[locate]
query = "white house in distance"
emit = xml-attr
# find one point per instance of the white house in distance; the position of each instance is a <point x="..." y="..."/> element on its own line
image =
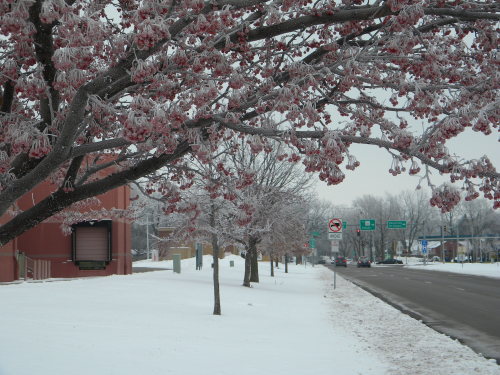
<point x="416" y="249"/>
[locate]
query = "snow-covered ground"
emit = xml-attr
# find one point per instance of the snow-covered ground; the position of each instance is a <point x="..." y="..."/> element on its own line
<point x="479" y="269"/>
<point x="161" y="323"/>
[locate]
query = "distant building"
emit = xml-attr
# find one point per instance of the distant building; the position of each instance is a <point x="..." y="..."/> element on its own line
<point x="168" y="245"/>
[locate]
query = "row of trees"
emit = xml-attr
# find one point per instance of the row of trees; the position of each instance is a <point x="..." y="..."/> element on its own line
<point x="468" y="218"/>
<point x="264" y="214"/>
<point x="282" y="214"/>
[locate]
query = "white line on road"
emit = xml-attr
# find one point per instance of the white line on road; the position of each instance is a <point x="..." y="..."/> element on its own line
<point x="463" y="290"/>
<point x="428" y="282"/>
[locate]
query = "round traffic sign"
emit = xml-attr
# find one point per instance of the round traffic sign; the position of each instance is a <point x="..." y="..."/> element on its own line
<point x="335" y="225"/>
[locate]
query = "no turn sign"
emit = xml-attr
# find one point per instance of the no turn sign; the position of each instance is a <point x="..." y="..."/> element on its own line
<point x="335" y="225"/>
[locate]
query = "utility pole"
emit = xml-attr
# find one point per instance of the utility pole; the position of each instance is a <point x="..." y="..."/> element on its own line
<point x="425" y="239"/>
<point x="371" y="247"/>
<point x="442" y="241"/>
<point x="147" y="236"/>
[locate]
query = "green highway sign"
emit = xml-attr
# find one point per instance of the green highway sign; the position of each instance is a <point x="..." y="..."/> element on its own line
<point x="367" y="224"/>
<point x="396" y="224"/>
<point x="312" y="243"/>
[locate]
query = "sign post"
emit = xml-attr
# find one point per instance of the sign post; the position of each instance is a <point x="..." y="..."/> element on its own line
<point x="424" y="249"/>
<point x="335" y="227"/>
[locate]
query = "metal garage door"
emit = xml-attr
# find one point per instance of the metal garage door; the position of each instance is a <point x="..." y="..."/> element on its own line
<point x="92" y="243"/>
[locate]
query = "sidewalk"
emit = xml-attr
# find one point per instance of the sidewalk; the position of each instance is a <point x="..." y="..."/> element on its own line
<point x="162" y="323"/>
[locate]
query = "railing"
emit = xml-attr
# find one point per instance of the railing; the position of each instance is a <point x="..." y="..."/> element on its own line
<point x="36" y="269"/>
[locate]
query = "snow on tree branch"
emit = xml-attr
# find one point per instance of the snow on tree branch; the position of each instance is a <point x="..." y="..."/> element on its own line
<point x="148" y="82"/>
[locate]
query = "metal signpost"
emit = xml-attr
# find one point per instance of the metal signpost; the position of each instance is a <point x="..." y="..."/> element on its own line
<point x="397" y="224"/>
<point x="424" y="249"/>
<point x="443" y="229"/>
<point x="368" y="224"/>
<point x="335" y="227"/>
<point x="312" y="245"/>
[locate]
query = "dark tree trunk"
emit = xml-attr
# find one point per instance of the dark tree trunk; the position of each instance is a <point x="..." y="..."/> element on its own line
<point x="271" y="263"/>
<point x="248" y="266"/>
<point x="286" y="263"/>
<point x="215" y="247"/>
<point x="276" y="262"/>
<point x="254" y="269"/>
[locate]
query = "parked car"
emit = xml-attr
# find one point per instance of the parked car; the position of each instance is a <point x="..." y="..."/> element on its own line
<point x="340" y="261"/>
<point x="321" y="261"/>
<point x="364" y="262"/>
<point x="390" y="261"/>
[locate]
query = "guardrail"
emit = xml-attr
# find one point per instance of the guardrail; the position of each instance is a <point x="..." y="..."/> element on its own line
<point x="36" y="269"/>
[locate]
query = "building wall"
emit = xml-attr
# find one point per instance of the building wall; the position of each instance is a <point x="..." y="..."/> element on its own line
<point x="121" y="233"/>
<point x="47" y="241"/>
<point x="8" y="264"/>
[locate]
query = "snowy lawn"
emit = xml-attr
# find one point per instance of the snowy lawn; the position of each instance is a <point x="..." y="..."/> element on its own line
<point x="161" y="323"/>
<point x="480" y="269"/>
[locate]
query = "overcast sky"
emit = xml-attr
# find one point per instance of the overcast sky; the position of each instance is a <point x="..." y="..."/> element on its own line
<point x="372" y="176"/>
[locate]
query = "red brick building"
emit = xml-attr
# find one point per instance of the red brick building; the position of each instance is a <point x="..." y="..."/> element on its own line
<point x="94" y="248"/>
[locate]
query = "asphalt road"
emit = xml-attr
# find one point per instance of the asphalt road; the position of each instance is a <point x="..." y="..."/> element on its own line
<point x="464" y="307"/>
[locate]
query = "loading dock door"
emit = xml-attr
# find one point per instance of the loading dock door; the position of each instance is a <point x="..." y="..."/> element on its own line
<point x="92" y="243"/>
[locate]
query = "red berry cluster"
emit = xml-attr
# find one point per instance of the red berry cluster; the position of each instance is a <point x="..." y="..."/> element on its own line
<point x="445" y="198"/>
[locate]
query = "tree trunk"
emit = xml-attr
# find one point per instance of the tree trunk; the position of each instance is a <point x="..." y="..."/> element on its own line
<point x="215" y="257"/>
<point x="254" y="269"/>
<point x="271" y="263"/>
<point x="215" y="247"/>
<point x="248" y="266"/>
<point x="286" y="263"/>
<point x="276" y="262"/>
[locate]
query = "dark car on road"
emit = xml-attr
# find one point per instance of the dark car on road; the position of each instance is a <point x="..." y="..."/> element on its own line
<point x="390" y="261"/>
<point x="364" y="262"/>
<point x="340" y="261"/>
